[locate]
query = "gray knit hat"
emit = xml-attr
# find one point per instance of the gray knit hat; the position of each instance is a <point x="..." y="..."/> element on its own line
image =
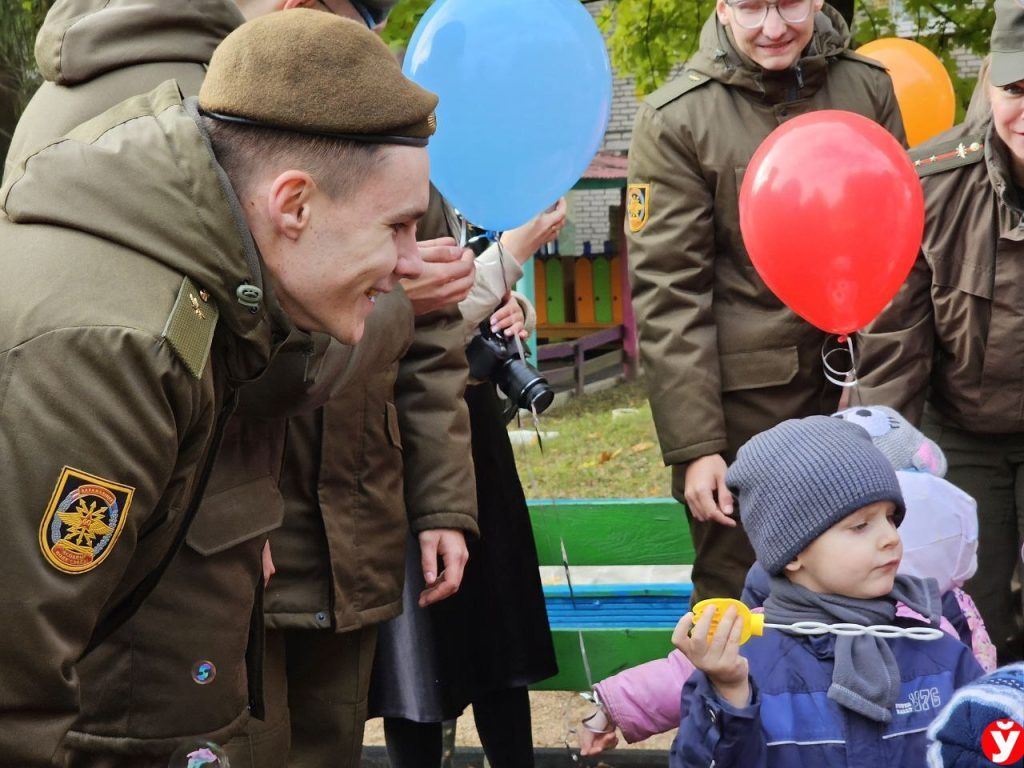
<point x="797" y="480"/>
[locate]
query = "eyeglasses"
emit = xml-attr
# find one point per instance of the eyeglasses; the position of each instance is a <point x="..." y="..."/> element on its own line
<point x="751" y="14"/>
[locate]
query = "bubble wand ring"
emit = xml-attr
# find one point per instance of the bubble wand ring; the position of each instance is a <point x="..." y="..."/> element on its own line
<point x="854" y="630"/>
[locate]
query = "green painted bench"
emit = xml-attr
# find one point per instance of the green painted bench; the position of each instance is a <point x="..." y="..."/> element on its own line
<point x="622" y="624"/>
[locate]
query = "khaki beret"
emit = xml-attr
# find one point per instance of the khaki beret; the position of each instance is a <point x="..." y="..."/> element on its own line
<point x="311" y="72"/>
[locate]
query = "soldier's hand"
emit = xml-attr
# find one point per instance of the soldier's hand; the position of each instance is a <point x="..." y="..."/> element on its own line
<point x="448" y="275"/>
<point x="448" y="545"/>
<point x="523" y="241"/>
<point x="706" y="494"/>
<point x="718" y="657"/>
<point x="268" y="564"/>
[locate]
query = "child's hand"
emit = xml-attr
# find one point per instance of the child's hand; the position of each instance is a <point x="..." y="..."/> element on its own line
<point x="719" y="658"/>
<point x="596" y="734"/>
<point x="595" y="743"/>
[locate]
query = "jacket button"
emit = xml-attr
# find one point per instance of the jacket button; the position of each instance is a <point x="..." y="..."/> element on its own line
<point x="321" y="617"/>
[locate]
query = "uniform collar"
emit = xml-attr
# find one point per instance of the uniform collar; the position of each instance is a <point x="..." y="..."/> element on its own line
<point x="997" y="160"/>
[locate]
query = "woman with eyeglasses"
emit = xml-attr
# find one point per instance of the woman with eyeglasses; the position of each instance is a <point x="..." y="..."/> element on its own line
<point x="725" y="359"/>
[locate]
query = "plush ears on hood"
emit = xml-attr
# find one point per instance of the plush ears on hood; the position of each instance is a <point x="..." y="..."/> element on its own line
<point x="902" y="443"/>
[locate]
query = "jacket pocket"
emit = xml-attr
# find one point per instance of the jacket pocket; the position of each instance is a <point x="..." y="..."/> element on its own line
<point x="758" y="369"/>
<point x="969" y="277"/>
<point x="391" y="416"/>
<point x="235" y="515"/>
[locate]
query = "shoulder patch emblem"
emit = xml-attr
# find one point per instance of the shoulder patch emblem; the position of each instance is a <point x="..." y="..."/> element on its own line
<point x="638" y="205"/>
<point x="83" y="520"/>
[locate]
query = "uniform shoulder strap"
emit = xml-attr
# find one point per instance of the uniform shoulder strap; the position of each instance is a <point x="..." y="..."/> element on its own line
<point x="190" y="327"/>
<point x="947" y="155"/>
<point x="854" y="56"/>
<point x="683" y="84"/>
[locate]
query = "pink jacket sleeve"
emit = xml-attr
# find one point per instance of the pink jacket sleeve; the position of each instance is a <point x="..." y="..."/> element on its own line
<point x="644" y="700"/>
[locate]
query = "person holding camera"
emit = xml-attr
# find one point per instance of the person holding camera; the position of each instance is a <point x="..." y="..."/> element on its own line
<point x="487" y="643"/>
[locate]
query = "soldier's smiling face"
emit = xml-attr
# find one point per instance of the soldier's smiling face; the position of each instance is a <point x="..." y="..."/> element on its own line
<point x="330" y="258"/>
<point x="776" y="43"/>
<point x="1008" y="121"/>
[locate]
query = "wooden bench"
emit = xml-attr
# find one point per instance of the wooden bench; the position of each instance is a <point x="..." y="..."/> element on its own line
<point x="622" y="624"/>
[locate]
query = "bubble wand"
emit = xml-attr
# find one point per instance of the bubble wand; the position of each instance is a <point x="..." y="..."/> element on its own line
<point x="754" y="624"/>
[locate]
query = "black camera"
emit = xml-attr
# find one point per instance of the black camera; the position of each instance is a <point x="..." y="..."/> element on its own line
<point x="492" y="356"/>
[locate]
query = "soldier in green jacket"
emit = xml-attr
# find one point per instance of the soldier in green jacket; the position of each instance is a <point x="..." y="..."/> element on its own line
<point x="101" y="60"/>
<point x="947" y="351"/>
<point x="144" y="240"/>
<point x="724" y="358"/>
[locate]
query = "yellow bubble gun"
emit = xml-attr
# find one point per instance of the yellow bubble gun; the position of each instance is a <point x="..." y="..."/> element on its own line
<point x="754" y="624"/>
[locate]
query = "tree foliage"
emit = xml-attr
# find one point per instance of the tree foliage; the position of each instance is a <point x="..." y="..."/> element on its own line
<point x="21" y="20"/>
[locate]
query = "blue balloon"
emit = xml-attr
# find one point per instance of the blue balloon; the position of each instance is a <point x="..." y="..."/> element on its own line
<point x="526" y="91"/>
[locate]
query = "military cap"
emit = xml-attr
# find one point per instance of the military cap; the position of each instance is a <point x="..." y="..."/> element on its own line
<point x="315" y="73"/>
<point x="1007" y="44"/>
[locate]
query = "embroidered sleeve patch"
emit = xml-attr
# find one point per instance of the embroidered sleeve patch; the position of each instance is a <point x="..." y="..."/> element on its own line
<point x="83" y="520"/>
<point x="638" y="205"/>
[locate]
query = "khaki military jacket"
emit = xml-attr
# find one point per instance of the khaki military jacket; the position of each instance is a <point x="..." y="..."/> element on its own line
<point x="138" y="693"/>
<point x="952" y="335"/>
<point x="340" y="554"/>
<point x="724" y="358"/>
<point x="122" y="335"/>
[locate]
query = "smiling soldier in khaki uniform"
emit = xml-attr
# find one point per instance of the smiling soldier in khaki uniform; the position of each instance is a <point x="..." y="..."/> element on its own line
<point x="93" y="54"/>
<point x="724" y="358"/>
<point x="112" y="403"/>
<point x="948" y="351"/>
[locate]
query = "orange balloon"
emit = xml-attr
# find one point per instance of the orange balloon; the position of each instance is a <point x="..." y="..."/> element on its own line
<point x="923" y="88"/>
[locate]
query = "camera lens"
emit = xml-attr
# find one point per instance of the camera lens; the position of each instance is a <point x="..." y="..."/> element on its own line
<point x="525" y="386"/>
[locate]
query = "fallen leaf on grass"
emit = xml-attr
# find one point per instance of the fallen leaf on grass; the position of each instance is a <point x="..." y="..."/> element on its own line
<point x="640" y="447"/>
<point x="607" y="456"/>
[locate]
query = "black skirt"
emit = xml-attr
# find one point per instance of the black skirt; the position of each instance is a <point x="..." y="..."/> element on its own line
<point x="493" y="634"/>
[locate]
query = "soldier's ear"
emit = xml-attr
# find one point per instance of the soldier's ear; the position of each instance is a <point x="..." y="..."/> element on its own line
<point x="723" y="13"/>
<point x="288" y="203"/>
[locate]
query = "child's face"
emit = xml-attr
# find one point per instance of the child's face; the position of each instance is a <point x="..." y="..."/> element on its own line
<point x="856" y="557"/>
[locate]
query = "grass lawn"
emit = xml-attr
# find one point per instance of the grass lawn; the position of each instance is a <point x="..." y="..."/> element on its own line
<point x="597" y="453"/>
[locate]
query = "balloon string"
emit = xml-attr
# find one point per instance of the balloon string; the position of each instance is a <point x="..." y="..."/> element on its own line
<point x="845" y="379"/>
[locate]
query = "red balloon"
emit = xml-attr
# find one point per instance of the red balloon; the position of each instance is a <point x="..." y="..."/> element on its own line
<point x="832" y="215"/>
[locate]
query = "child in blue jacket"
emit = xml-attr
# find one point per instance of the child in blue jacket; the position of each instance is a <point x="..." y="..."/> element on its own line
<point x="821" y="505"/>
